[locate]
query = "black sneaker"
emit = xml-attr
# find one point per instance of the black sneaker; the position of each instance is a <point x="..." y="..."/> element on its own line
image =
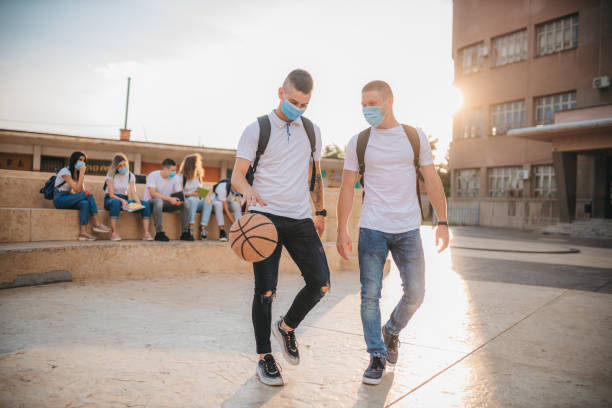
<point x="375" y="371"/>
<point x="392" y="342"/>
<point x="268" y="372"/>
<point x="203" y="234"/>
<point x="186" y="236"/>
<point x="222" y="236"/>
<point x="160" y="236"/>
<point x="288" y="343"/>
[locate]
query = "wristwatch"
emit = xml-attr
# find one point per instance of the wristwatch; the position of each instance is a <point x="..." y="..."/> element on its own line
<point x="322" y="212"/>
<point x="443" y="223"/>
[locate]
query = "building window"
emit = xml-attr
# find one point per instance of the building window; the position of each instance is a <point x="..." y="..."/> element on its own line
<point x="557" y="35"/>
<point x="510" y="48"/>
<point x="545" y="184"/>
<point x="468" y="183"/>
<point x="472" y="58"/>
<point x="506" y="182"/>
<point x="471" y="123"/>
<point x="546" y="106"/>
<point x="507" y="116"/>
<point x="53" y="164"/>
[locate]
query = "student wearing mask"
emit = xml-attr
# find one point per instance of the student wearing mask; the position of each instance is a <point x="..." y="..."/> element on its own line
<point x="192" y="174"/>
<point x="70" y="193"/>
<point x="120" y="186"/>
<point x="227" y="200"/>
<point x="162" y="193"/>
<point x="388" y="156"/>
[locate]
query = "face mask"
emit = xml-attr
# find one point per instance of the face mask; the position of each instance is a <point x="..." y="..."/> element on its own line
<point x="373" y="114"/>
<point x="172" y="174"/>
<point x="79" y="164"/>
<point x="291" y="111"/>
<point x="123" y="170"/>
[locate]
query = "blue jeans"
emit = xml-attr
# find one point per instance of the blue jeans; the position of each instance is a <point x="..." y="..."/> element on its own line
<point x="113" y="206"/>
<point x="197" y="205"/>
<point x="407" y="252"/>
<point x="86" y="205"/>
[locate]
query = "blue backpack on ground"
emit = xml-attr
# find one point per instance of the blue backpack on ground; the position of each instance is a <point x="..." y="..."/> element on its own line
<point x="49" y="188"/>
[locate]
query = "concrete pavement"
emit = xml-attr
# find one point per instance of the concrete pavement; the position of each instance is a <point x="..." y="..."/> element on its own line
<point x="496" y="329"/>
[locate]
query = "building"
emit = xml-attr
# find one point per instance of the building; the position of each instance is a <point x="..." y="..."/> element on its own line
<point x="46" y="152"/>
<point x="532" y="145"/>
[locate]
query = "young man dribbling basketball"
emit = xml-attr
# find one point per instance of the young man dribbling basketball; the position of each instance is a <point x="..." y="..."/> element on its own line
<point x="284" y="150"/>
<point x="387" y="155"/>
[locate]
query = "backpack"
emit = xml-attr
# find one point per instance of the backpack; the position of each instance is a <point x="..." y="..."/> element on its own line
<point x="415" y="142"/>
<point x="227" y="186"/>
<point x="129" y="177"/>
<point x="264" y="137"/>
<point x="49" y="188"/>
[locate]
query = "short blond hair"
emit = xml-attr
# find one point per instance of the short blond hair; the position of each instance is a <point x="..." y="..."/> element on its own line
<point x="380" y="86"/>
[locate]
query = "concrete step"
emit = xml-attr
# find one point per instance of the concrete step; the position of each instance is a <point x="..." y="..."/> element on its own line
<point x="30" y="263"/>
<point x="593" y="228"/>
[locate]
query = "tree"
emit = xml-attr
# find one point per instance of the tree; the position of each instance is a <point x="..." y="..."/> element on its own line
<point x="442" y="167"/>
<point x="333" y="151"/>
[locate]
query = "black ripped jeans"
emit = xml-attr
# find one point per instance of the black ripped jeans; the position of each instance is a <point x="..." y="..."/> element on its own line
<point x="302" y="242"/>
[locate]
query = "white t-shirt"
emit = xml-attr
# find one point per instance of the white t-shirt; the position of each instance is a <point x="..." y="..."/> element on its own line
<point x="190" y="185"/>
<point x="59" y="179"/>
<point x="164" y="186"/>
<point x="282" y="174"/>
<point x="390" y="203"/>
<point x="121" y="182"/>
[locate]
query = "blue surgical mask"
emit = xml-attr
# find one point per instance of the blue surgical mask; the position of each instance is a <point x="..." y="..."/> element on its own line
<point x="373" y="114"/>
<point x="172" y="174"/>
<point x="79" y="164"/>
<point x="291" y="111"/>
<point x="123" y="170"/>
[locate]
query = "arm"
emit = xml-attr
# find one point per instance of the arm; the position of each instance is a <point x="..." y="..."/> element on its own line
<point x="227" y="212"/>
<point x="111" y="192"/>
<point x="134" y="192"/>
<point x="249" y="195"/>
<point x="155" y="194"/>
<point x="435" y="191"/>
<point x="77" y="186"/>
<point x="317" y="196"/>
<point x="345" y="203"/>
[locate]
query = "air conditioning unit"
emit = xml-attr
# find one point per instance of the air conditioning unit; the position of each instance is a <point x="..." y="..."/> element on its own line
<point x="601" y="82"/>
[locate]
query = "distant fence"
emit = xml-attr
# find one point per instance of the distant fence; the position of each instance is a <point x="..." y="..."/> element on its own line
<point x="462" y="214"/>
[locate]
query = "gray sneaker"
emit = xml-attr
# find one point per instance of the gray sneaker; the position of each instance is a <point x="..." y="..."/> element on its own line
<point x="375" y="371"/>
<point x="268" y="372"/>
<point x="392" y="342"/>
<point x="287" y="341"/>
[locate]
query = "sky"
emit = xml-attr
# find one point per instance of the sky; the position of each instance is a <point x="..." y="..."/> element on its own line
<point x="203" y="70"/>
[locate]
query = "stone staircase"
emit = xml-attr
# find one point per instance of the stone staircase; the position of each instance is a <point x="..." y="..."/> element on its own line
<point x="37" y="239"/>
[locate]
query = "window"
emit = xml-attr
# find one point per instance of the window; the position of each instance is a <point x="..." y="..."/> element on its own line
<point x="557" y="35"/>
<point x="510" y="48"/>
<point x="545" y="184"/>
<point x="506" y="182"/>
<point x="53" y="164"/>
<point x="472" y="58"/>
<point x="471" y="124"/>
<point x="546" y="106"/>
<point x="468" y="183"/>
<point x="507" y="116"/>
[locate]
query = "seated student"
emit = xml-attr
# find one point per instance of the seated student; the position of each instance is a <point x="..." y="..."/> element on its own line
<point x="161" y="193"/>
<point x="70" y="193"/>
<point x="226" y="200"/>
<point x="120" y="186"/>
<point x="192" y="172"/>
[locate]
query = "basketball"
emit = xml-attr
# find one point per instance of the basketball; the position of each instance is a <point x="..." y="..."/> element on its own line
<point x="253" y="237"/>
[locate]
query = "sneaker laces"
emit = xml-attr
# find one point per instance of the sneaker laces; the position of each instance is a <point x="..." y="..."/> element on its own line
<point x="292" y="340"/>
<point x="394" y="343"/>
<point x="272" y="367"/>
<point x="377" y="362"/>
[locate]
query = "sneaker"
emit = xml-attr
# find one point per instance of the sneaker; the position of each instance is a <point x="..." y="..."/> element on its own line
<point x="115" y="238"/>
<point x="287" y="341"/>
<point x="160" y="236"/>
<point x="203" y="234"/>
<point x="101" y="229"/>
<point x="186" y="236"/>
<point x="222" y="236"/>
<point x="86" y="237"/>
<point x="268" y="371"/>
<point x="147" y="237"/>
<point x="392" y="342"/>
<point x="375" y="371"/>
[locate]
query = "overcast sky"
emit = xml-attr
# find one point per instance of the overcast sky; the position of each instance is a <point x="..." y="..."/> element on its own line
<point x="202" y="71"/>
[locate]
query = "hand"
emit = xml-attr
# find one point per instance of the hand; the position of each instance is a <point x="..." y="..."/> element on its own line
<point x="344" y="245"/>
<point x="82" y="169"/>
<point x="124" y="203"/>
<point x="251" y="198"/>
<point x="319" y="223"/>
<point x="175" y="201"/>
<point x="442" y="234"/>
<point x="87" y="193"/>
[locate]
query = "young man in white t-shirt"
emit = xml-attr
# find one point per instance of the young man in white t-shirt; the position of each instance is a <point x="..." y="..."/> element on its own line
<point x="226" y="201"/>
<point x="161" y="193"/>
<point x="280" y="191"/>
<point x="390" y="221"/>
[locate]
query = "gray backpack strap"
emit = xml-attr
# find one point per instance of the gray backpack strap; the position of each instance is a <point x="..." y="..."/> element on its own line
<point x="264" y="137"/>
<point x="415" y="142"/>
<point x="362" y="143"/>
<point x="309" y="128"/>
